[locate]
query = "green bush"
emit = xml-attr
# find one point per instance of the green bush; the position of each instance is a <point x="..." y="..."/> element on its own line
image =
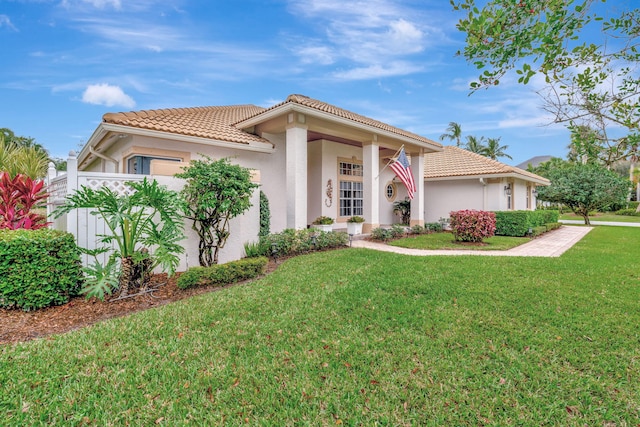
<point x="628" y="212"/>
<point x="380" y="233"/>
<point x="536" y="231"/>
<point x="265" y="215"/>
<point x="398" y="230"/>
<point x="433" y="227"/>
<point x="38" y="268"/>
<point x="518" y="223"/>
<point x="222" y="274"/>
<point x="293" y="242"/>
<point x="552" y="225"/>
<point x="633" y="204"/>
<point x="418" y="229"/>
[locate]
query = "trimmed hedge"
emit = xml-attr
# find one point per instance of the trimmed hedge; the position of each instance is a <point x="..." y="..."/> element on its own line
<point x="222" y="274"/>
<point x="518" y="223"/>
<point x="628" y="212"/>
<point x="294" y="242"/>
<point x="38" y="268"/>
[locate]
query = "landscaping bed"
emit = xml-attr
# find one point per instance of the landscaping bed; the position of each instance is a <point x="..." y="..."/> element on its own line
<point x="79" y="312"/>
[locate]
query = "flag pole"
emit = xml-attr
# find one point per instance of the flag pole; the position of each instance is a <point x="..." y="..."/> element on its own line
<point x="392" y="157"/>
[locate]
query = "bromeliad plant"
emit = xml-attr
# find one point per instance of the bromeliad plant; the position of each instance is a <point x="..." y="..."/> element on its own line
<point x="145" y="227"/>
<point x="18" y="197"/>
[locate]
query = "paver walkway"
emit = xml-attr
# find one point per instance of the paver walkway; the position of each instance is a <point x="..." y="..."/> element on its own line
<point x="551" y="244"/>
<point x="614" y="224"/>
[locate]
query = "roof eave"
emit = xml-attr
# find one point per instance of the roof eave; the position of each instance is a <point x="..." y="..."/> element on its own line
<point x="104" y="128"/>
<point x="293" y="107"/>
<point x="538" y="181"/>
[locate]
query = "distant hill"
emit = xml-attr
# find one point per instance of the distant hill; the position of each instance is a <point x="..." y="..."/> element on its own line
<point x="534" y="161"/>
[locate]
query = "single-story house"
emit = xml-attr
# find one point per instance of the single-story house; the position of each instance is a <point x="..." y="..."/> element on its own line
<point x="310" y="158"/>
<point x="458" y="179"/>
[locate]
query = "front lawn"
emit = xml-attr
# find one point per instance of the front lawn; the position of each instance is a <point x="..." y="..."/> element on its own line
<point x="358" y="337"/>
<point x="446" y="241"/>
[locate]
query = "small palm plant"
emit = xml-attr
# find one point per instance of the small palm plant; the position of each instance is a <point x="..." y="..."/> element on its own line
<point x="149" y="219"/>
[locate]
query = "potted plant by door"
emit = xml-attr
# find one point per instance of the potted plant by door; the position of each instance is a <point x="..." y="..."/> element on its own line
<point x="323" y="223"/>
<point x="354" y="225"/>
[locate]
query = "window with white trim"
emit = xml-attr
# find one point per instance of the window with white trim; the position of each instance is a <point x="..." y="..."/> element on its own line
<point x="350" y="169"/>
<point x="351" y="198"/>
<point x="390" y="191"/>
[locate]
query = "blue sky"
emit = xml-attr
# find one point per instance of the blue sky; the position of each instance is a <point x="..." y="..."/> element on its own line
<point x="67" y="62"/>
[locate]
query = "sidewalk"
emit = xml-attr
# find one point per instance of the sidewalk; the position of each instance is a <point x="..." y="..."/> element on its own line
<point x="551" y="244"/>
<point x="615" y="224"/>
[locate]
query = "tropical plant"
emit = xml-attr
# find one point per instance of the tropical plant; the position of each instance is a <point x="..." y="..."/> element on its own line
<point x="585" y="188"/>
<point x="472" y="225"/>
<point x="216" y="191"/>
<point x="494" y="150"/>
<point x="24" y="160"/>
<point x="455" y="133"/>
<point x="145" y="228"/>
<point x="475" y="145"/>
<point x="356" y="219"/>
<point x="323" y="220"/>
<point x="403" y="208"/>
<point x="18" y="198"/>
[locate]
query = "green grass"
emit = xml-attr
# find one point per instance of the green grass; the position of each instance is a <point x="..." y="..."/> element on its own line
<point x="602" y="217"/>
<point x="358" y="337"/>
<point x="446" y="241"/>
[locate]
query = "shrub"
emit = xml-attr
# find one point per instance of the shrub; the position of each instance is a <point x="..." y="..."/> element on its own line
<point x="552" y="226"/>
<point x="356" y="219"/>
<point x="398" y="230"/>
<point x="627" y="212"/>
<point x="418" y="229"/>
<point x="18" y="197"/>
<point x="472" y="225"/>
<point x="634" y="204"/>
<point x="256" y="249"/>
<point x="222" y="274"/>
<point x="265" y="215"/>
<point x="38" y="268"/>
<point x="434" y="227"/>
<point x="381" y="234"/>
<point x="294" y="242"/>
<point x="518" y="223"/>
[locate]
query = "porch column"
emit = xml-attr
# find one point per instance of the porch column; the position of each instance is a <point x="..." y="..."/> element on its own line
<point x="371" y="185"/>
<point x="296" y="172"/>
<point x="417" y="204"/>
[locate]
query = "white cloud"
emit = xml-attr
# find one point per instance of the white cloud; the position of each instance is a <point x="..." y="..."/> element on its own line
<point x="316" y="55"/>
<point x="6" y="22"/>
<point x="101" y="4"/>
<point x="399" y="68"/>
<point x="107" y="95"/>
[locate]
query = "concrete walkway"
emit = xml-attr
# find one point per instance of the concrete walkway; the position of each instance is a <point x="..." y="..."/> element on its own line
<point x="551" y="244"/>
<point x="615" y="224"/>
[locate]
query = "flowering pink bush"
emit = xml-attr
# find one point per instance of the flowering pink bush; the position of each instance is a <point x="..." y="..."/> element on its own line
<point x="18" y="196"/>
<point x="472" y="225"/>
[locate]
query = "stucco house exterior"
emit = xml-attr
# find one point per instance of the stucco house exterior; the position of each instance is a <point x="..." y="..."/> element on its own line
<point x="310" y="158"/>
<point x="458" y="179"/>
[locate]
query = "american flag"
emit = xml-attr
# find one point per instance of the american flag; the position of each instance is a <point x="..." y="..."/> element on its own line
<point x="401" y="167"/>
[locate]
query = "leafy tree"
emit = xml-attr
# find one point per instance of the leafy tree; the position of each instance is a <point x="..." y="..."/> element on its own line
<point x="215" y="192"/>
<point x="147" y="220"/>
<point x="584" y="188"/>
<point x="494" y="150"/>
<point x="475" y="145"/>
<point x="455" y="133"/>
<point x="588" y="84"/>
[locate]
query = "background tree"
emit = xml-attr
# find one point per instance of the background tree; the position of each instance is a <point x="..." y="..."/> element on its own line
<point x="494" y="150"/>
<point x="584" y="187"/>
<point x="475" y="145"/>
<point x="215" y="192"/>
<point x="592" y="85"/>
<point x="455" y="133"/>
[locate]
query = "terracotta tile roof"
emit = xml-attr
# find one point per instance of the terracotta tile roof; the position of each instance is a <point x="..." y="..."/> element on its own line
<point x="205" y="122"/>
<point x="456" y="162"/>
<point x="345" y="114"/>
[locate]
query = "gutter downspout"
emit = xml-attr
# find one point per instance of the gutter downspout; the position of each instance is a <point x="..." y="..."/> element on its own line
<point x="484" y="193"/>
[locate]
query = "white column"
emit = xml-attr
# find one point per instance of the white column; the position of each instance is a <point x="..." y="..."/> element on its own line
<point x="371" y="185"/>
<point x="417" y="204"/>
<point x="296" y="172"/>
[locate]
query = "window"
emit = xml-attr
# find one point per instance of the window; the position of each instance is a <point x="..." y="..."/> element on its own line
<point x="350" y="169"/>
<point x="528" y="197"/>
<point x="351" y="198"/>
<point x="390" y="191"/>
<point x="141" y="165"/>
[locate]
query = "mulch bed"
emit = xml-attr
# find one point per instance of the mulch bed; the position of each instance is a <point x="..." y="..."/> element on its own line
<point x="19" y="326"/>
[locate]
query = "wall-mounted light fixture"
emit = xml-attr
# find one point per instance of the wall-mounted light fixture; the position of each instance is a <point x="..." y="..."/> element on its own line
<point x="534" y="191"/>
<point x="507" y="190"/>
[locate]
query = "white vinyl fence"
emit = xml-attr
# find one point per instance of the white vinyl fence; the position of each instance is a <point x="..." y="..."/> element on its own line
<point x="86" y="227"/>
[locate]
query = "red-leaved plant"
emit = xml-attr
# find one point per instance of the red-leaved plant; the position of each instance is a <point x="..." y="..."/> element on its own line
<point x="472" y="225"/>
<point x="18" y="197"/>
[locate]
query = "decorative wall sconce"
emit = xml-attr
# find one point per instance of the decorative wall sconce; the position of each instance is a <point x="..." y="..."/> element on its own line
<point x="329" y="192"/>
<point x="507" y="190"/>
